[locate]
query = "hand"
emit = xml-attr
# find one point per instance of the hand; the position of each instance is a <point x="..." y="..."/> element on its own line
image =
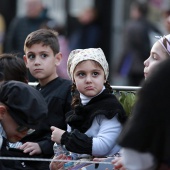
<point x="56" y="134"/>
<point x="55" y="165"/>
<point x="118" y="165"/>
<point x="31" y="148"/>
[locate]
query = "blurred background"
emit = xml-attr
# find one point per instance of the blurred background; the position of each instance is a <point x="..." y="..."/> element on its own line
<point x="124" y="29"/>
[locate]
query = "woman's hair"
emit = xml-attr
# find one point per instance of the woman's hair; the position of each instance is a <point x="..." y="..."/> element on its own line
<point x="12" y="68"/>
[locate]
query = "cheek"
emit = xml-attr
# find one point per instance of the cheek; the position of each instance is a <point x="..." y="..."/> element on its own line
<point x="153" y="66"/>
<point x="78" y="85"/>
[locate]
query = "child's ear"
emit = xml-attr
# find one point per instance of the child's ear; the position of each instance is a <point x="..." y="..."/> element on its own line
<point x="25" y="60"/>
<point x="3" y="110"/>
<point x="58" y="58"/>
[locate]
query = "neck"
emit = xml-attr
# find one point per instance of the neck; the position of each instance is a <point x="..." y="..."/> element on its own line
<point x="86" y="99"/>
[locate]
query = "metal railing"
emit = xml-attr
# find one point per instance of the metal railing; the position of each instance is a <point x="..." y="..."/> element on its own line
<point x="119" y="88"/>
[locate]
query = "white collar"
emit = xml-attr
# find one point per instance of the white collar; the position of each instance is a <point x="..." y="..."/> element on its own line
<point x="86" y="99"/>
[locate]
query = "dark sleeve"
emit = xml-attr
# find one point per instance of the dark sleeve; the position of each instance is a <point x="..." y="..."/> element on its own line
<point x="46" y="146"/>
<point x="4" y="168"/>
<point x="77" y="142"/>
<point x="57" y="111"/>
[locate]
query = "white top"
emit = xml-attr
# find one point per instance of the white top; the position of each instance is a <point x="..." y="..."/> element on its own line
<point x="105" y="132"/>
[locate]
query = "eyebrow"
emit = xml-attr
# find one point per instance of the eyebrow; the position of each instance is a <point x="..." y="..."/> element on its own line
<point x="38" y="52"/>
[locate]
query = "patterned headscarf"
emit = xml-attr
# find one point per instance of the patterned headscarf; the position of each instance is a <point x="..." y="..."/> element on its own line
<point x="165" y="42"/>
<point x="79" y="55"/>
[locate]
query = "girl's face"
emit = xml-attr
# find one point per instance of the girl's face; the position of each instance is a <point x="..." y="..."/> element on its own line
<point x="89" y="78"/>
<point x="157" y="55"/>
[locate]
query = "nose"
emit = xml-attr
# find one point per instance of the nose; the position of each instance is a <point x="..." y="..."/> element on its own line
<point x="88" y="79"/>
<point x="37" y="61"/>
<point x="146" y="63"/>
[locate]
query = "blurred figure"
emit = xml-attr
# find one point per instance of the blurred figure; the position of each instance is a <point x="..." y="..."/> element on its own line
<point x="2" y="32"/>
<point x="20" y="27"/>
<point x="166" y="16"/>
<point x="88" y="33"/>
<point x="138" y="35"/>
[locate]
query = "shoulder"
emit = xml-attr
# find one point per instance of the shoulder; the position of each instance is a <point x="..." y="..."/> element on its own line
<point x="65" y="81"/>
<point x="107" y="122"/>
<point x="61" y="87"/>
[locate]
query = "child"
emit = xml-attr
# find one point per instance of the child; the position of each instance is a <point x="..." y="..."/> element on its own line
<point x="12" y="68"/>
<point x="21" y="109"/>
<point x="42" y="56"/>
<point x="146" y="136"/>
<point x="159" y="52"/>
<point x="97" y="116"/>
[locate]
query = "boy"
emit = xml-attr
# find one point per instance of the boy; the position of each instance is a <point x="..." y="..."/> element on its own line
<point x="42" y="56"/>
<point x="21" y="109"/>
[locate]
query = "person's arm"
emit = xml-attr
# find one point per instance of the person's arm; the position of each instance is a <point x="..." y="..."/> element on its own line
<point x="98" y="144"/>
<point x="105" y="140"/>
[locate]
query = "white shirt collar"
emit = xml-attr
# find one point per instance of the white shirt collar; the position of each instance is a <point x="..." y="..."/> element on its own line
<point x="85" y="99"/>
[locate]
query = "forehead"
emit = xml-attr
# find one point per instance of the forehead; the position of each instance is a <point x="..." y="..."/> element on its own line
<point x="38" y="47"/>
<point x="157" y="48"/>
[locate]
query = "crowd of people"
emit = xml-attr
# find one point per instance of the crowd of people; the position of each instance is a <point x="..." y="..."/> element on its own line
<point x="80" y="112"/>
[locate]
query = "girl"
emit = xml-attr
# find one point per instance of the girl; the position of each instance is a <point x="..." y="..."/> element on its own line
<point x="144" y="160"/>
<point x="97" y="116"/>
<point x="159" y="52"/>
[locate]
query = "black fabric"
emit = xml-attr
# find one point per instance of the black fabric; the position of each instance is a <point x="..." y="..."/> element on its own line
<point x="25" y="104"/>
<point x="57" y="94"/>
<point x="148" y="130"/>
<point x="80" y="120"/>
<point x="105" y="104"/>
<point x="6" y="151"/>
<point x="77" y="142"/>
<point x="4" y="164"/>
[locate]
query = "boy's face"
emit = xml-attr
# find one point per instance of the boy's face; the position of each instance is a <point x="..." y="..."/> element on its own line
<point x="42" y="62"/>
<point x="13" y="132"/>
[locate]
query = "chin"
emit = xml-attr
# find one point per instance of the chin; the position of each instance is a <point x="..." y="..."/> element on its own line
<point x="90" y="94"/>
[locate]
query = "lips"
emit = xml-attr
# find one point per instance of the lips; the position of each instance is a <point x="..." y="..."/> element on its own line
<point x="89" y="88"/>
<point x="37" y="70"/>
